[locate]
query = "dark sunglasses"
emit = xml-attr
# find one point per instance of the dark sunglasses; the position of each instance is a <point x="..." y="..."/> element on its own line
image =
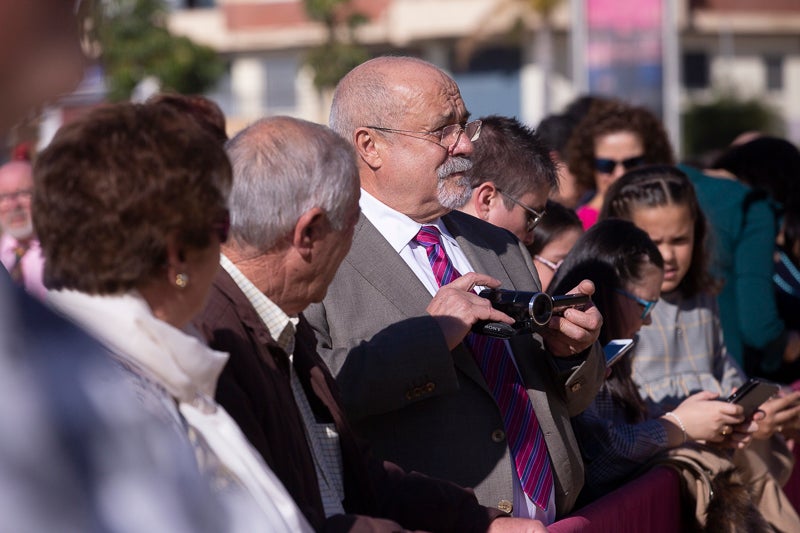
<point x="647" y="305"/>
<point x="607" y="166"/>
<point x="222" y="226"/>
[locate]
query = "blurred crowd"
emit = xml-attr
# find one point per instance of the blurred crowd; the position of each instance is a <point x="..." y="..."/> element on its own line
<point x="315" y="328"/>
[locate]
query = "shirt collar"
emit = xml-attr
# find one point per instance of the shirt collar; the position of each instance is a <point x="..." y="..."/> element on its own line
<point x="281" y="326"/>
<point x="397" y="228"/>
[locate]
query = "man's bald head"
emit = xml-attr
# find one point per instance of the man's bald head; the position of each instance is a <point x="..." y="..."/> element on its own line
<point x="368" y="95"/>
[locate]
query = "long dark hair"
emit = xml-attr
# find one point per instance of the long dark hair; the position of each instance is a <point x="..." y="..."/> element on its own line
<point x="659" y="186"/>
<point x="771" y="164"/>
<point x="559" y="219"/>
<point x="612" y="254"/>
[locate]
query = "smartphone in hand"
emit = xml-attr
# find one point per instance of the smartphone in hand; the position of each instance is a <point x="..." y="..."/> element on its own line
<point x="752" y="394"/>
<point x="615" y="349"/>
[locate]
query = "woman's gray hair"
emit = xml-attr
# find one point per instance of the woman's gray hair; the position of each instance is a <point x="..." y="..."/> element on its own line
<point x="282" y="167"/>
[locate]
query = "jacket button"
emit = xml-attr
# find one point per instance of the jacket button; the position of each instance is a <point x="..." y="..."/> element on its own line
<point x="576" y="387"/>
<point x="505" y="506"/>
<point x="498" y="435"/>
<point x="413" y="394"/>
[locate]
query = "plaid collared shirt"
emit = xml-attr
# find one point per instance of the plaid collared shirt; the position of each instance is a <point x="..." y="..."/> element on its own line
<point x="322" y="438"/>
<point x="683" y="352"/>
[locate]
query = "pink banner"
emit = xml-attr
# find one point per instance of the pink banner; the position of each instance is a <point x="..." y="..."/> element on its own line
<point x="624" y="50"/>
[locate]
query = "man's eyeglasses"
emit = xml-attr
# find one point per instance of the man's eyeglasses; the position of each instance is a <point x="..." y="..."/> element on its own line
<point x="22" y="194"/>
<point x="222" y="226"/>
<point x="648" y="305"/>
<point x="532" y="216"/>
<point x="446" y="137"/>
<point x="549" y="264"/>
<point x="607" y="166"/>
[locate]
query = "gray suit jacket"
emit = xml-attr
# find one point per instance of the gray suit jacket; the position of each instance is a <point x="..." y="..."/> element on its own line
<point x="425" y="407"/>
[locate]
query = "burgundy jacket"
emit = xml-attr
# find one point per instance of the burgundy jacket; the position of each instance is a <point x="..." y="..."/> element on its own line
<point x="255" y="390"/>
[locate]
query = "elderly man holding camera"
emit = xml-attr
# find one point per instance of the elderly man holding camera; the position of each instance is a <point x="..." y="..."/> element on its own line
<point x="395" y="325"/>
<point x="294" y="205"/>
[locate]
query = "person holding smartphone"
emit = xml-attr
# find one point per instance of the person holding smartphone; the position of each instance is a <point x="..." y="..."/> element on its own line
<point x="683" y="350"/>
<point x="615" y="433"/>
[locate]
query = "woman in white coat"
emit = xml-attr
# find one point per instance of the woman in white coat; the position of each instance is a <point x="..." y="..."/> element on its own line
<point x="130" y="208"/>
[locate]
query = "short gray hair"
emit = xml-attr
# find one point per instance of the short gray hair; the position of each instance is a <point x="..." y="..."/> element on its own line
<point x="282" y="167"/>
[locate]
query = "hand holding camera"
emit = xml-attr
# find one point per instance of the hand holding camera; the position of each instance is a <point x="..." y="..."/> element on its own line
<point x="456" y="307"/>
<point x="531" y="311"/>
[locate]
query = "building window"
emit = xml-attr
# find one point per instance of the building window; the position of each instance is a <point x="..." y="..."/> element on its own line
<point x="695" y="70"/>
<point x="774" y="68"/>
<point x="281" y="76"/>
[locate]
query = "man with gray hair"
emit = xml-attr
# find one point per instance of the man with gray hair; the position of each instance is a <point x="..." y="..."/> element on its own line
<point x="396" y="324"/>
<point x="294" y="205"/>
<point x="511" y="177"/>
<point x="20" y="252"/>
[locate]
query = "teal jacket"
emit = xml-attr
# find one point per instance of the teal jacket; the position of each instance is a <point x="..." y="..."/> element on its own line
<point x="743" y="228"/>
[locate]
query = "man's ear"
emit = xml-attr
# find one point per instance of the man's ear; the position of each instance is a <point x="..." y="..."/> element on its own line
<point x="366" y="149"/>
<point x="484" y="197"/>
<point x="309" y="229"/>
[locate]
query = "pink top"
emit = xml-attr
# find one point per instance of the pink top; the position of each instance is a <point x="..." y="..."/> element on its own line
<point x="32" y="264"/>
<point x="588" y="215"/>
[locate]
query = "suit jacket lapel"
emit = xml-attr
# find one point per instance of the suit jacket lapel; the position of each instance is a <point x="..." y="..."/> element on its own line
<point x="374" y="258"/>
<point x="479" y="252"/>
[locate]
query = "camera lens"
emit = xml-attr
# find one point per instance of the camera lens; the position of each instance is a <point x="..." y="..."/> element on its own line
<point x="540" y="308"/>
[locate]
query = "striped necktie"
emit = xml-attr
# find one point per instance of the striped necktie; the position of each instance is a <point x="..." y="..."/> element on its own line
<point x="525" y="438"/>
<point x="16" y="273"/>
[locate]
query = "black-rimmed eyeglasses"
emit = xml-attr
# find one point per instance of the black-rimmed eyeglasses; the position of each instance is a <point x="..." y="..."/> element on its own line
<point x="446" y="137"/>
<point x="532" y="215"/>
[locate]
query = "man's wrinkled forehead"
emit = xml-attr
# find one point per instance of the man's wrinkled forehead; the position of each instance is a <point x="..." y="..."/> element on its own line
<point x="17" y="174"/>
<point x="437" y="90"/>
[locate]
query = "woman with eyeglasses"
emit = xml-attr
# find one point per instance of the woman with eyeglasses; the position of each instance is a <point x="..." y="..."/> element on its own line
<point x="553" y="238"/>
<point x="612" y="139"/>
<point x="616" y="433"/>
<point x="130" y="205"/>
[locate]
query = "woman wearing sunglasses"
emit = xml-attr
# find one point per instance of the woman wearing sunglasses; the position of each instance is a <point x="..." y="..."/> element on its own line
<point x="613" y="139"/>
<point x="616" y="433"/>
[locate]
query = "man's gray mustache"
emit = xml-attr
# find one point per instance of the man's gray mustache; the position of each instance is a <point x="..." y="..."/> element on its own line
<point x="453" y="165"/>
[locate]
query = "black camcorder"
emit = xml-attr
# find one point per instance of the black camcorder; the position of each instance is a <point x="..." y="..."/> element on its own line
<point x="530" y="310"/>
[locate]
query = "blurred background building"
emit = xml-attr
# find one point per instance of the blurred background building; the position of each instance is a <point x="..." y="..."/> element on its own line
<point x="685" y="59"/>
